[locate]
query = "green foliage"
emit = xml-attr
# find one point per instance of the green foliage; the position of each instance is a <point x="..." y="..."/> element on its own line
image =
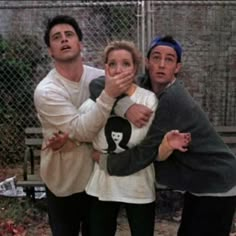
<point x="19" y="58"/>
<point x="17" y="64"/>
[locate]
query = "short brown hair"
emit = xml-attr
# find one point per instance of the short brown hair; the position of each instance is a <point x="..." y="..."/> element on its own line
<point x="61" y="19"/>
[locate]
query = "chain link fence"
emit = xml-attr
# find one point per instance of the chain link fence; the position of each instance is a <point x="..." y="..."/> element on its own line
<point x="24" y="59"/>
<point x="206" y="30"/>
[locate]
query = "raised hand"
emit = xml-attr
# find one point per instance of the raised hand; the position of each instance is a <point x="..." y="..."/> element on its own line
<point x="178" y="141"/>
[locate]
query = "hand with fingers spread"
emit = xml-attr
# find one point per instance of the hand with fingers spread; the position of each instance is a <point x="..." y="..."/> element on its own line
<point x="139" y="115"/>
<point x="178" y="141"/>
<point x="119" y="83"/>
<point x="58" y="140"/>
<point x="173" y="140"/>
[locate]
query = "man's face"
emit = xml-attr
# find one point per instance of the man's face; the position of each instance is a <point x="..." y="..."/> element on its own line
<point x="64" y="43"/>
<point x="162" y="65"/>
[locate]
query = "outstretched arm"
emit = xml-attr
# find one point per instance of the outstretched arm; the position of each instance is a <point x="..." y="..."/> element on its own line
<point x="142" y="155"/>
<point x="138" y="157"/>
<point x="173" y="140"/>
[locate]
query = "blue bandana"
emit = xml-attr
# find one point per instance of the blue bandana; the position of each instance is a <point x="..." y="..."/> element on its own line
<point x="158" y="41"/>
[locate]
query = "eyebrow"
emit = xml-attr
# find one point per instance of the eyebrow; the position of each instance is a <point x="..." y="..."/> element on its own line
<point x="59" y="32"/>
<point x="55" y="34"/>
<point x="169" y="54"/>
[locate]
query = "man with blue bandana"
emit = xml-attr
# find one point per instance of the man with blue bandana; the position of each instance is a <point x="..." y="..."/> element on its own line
<point x="206" y="172"/>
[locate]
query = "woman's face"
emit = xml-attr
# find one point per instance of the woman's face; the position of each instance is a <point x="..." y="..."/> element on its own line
<point x="118" y="61"/>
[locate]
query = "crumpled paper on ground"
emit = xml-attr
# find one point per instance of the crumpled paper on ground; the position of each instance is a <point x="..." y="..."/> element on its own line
<point x="8" y="188"/>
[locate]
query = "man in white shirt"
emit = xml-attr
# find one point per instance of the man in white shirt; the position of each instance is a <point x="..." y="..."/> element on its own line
<point x="57" y="99"/>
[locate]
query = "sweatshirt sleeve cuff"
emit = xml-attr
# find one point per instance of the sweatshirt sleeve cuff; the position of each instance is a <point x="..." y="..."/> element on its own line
<point x="123" y="105"/>
<point x="106" y="99"/>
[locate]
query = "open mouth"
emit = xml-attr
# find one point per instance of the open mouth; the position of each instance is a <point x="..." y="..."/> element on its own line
<point x="65" y="48"/>
<point x="160" y="74"/>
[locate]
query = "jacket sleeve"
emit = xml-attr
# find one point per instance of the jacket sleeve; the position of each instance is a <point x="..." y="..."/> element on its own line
<point x="165" y="150"/>
<point x="142" y="155"/>
<point x="96" y="87"/>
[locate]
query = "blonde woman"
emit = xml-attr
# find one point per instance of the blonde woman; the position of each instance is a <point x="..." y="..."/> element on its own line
<point x="135" y="192"/>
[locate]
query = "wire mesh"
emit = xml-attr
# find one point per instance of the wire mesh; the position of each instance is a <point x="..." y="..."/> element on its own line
<point x="24" y="58"/>
<point x="206" y="30"/>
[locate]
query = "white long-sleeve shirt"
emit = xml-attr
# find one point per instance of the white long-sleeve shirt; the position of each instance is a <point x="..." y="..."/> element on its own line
<point x="57" y="101"/>
<point x="117" y="135"/>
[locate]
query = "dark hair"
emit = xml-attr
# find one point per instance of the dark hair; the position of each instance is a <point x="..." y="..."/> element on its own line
<point x="167" y="40"/>
<point x="61" y="19"/>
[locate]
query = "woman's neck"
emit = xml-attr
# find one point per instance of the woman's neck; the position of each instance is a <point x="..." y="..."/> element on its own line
<point x="131" y="89"/>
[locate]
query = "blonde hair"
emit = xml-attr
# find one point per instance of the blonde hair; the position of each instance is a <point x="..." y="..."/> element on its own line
<point x="125" y="45"/>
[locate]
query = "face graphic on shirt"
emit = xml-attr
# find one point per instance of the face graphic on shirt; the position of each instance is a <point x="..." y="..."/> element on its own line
<point x="117" y="132"/>
<point x="117" y="137"/>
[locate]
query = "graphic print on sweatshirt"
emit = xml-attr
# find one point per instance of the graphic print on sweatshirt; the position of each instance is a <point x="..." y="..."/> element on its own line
<point x="117" y="132"/>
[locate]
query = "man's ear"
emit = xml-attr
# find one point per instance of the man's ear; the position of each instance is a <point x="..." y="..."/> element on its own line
<point x="178" y="67"/>
<point x="50" y="52"/>
<point x="81" y="45"/>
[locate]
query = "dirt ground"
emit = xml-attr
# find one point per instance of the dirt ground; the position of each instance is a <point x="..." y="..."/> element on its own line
<point x="38" y="226"/>
<point x="162" y="227"/>
<point x="167" y="221"/>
